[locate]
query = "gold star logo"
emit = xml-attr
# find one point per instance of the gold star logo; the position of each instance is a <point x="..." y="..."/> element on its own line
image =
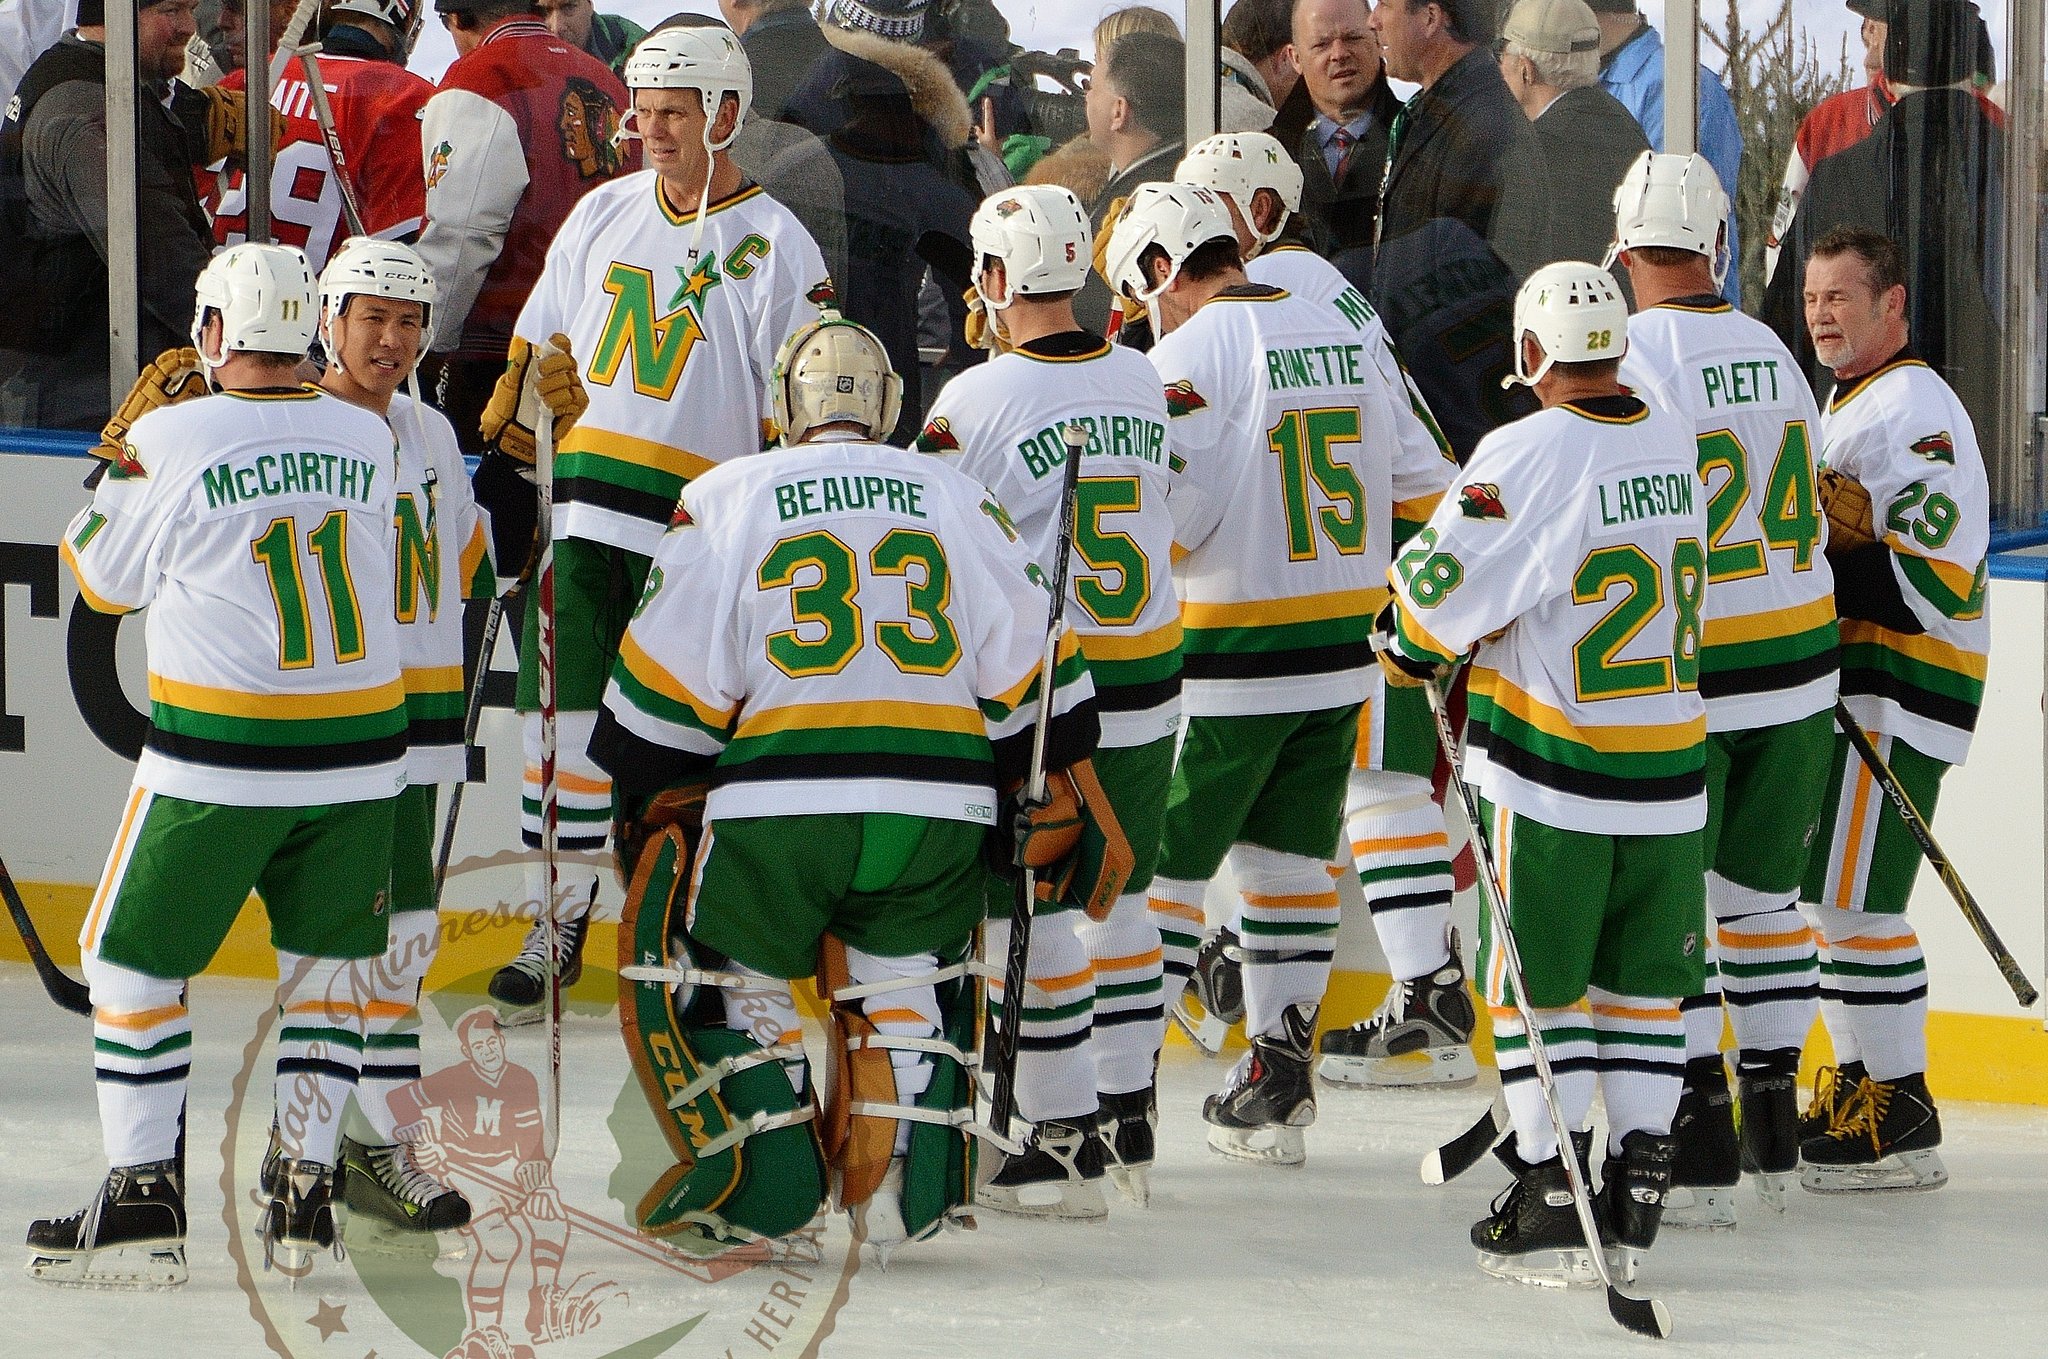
<point x="696" y="284"/>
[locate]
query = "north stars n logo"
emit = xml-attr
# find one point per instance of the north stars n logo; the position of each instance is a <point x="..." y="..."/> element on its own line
<point x="1936" y="448"/>
<point x="1481" y="500"/>
<point x="938" y="437"/>
<point x="1183" y="399"/>
<point x="587" y="122"/>
<point x="657" y="347"/>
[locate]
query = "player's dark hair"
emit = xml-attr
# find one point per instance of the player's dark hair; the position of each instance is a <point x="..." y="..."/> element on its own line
<point x="1883" y="262"/>
<point x="1590" y="369"/>
<point x="1256" y="29"/>
<point x="1149" y="70"/>
<point x="1212" y="258"/>
<point x="1665" y="256"/>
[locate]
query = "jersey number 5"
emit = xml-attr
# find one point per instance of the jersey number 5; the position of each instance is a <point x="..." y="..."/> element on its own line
<point x="1596" y="674"/>
<point x="828" y="608"/>
<point x="1109" y="551"/>
<point x="276" y="551"/>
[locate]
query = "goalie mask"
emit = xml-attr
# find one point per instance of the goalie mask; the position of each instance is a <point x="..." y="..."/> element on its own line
<point x="1238" y="165"/>
<point x="1575" y="312"/>
<point x="367" y="267"/>
<point x="829" y="371"/>
<point x="1039" y="233"/>
<point x="1674" y="201"/>
<point x="264" y="296"/>
<point x="1178" y="218"/>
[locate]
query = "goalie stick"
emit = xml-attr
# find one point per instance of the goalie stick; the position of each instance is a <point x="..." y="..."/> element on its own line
<point x="1643" y="1316"/>
<point x="1916" y="825"/>
<point x="69" y="993"/>
<point x="1003" y="1049"/>
<point x="471" y="717"/>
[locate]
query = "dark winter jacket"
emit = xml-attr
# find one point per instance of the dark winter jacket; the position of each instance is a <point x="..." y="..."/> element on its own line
<point x="1341" y="216"/>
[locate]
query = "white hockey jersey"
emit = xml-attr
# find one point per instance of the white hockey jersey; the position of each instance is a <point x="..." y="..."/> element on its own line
<point x="259" y="527"/>
<point x="1771" y="643"/>
<point x="675" y="355"/>
<point x="1286" y="426"/>
<point x="1573" y="559"/>
<point x="1001" y="424"/>
<point x="443" y="556"/>
<point x="1902" y="433"/>
<point x="839" y="627"/>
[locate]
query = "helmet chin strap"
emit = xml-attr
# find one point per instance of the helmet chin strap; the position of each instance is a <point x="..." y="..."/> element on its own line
<point x="1523" y="378"/>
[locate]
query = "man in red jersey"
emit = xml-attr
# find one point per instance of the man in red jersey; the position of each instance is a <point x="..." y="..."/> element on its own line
<point x="376" y="104"/>
<point x="522" y="127"/>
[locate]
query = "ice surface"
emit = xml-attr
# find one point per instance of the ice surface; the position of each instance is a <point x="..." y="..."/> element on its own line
<point x="1349" y="1255"/>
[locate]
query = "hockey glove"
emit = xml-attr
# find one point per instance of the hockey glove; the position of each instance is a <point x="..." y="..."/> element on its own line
<point x="216" y="120"/>
<point x="1402" y="671"/>
<point x="505" y="490"/>
<point x="1847" y="506"/>
<point x="983" y="329"/>
<point x="1074" y="843"/>
<point x="174" y="376"/>
<point x="1132" y="311"/>
<point x="516" y="406"/>
<point x="636" y="828"/>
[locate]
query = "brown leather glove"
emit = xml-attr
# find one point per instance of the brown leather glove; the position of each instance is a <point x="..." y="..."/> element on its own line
<point x="984" y="329"/>
<point x="1847" y="507"/>
<point x="221" y="119"/>
<point x="173" y="376"/>
<point x="1132" y="311"/>
<point x="534" y="381"/>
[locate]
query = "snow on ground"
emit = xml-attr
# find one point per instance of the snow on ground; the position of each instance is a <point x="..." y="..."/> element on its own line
<point x="1349" y="1255"/>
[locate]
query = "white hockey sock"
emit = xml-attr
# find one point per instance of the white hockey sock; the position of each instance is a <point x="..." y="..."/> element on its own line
<point x="1055" y="1064"/>
<point x="319" y="1049"/>
<point x="1130" y="1021"/>
<point x="1289" y="932"/>
<point x="765" y="1011"/>
<point x="1641" y="1045"/>
<point x="1176" y="906"/>
<point x="1877" y="971"/>
<point x="142" y="1060"/>
<point x="391" y="1036"/>
<point x="1703" y="1011"/>
<point x="1569" y="1042"/>
<point x="583" y="791"/>
<point x="1770" y="969"/>
<point x="1403" y="857"/>
<point x="912" y="1012"/>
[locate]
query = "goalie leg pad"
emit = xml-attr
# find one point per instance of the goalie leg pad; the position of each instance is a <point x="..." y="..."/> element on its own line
<point x="749" y="1165"/>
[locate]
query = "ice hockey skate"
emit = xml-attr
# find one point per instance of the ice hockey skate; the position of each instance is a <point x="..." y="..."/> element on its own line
<point x="1533" y="1233"/>
<point x="132" y="1235"/>
<point x="1702" y="1193"/>
<point x="1058" y="1175"/>
<point x="1832" y="1086"/>
<point x="1421" y="1035"/>
<point x="1125" y="1124"/>
<point x="1767" y="1083"/>
<point x="1630" y="1205"/>
<point x="1213" y="999"/>
<point x="520" y="987"/>
<point x="301" y="1221"/>
<point x="1883" y="1138"/>
<point x="395" y="1207"/>
<point x="1269" y="1098"/>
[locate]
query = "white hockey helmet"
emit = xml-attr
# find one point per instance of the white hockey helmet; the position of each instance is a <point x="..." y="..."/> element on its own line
<point x="830" y="370"/>
<point x="1674" y="201"/>
<point x="264" y="294"/>
<point x="708" y="60"/>
<point x="1575" y="311"/>
<point x="1040" y="233"/>
<point x="1238" y="165"/>
<point x="1179" y="219"/>
<point x="403" y="15"/>
<point x="368" y="267"/>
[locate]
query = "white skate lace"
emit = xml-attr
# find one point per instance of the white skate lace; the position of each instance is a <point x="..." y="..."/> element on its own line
<point x="533" y="954"/>
<point x="406" y="1181"/>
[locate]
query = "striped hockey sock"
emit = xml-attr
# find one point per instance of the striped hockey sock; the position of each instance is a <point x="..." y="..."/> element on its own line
<point x="1176" y="906"/>
<point x="142" y="1060"/>
<point x="1055" y="1066"/>
<point x="319" y="1050"/>
<point x="1876" y="971"/>
<point x="1403" y="857"/>
<point x="391" y="1037"/>
<point x="1568" y="1040"/>
<point x="1641" y="1043"/>
<point x="1130" y="1019"/>
<point x="583" y="792"/>
<point x="1289" y="932"/>
<point x="1703" y="1011"/>
<point x="1769" y="966"/>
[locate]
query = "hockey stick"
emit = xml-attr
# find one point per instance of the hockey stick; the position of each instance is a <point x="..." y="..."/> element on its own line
<point x="1644" y="1316"/>
<point x="470" y="720"/>
<point x="1916" y="825"/>
<point x="1003" y="1050"/>
<point x="288" y="42"/>
<point x="69" y="993"/>
<point x="1469" y="1147"/>
<point x="550" y="811"/>
<point x="323" y="113"/>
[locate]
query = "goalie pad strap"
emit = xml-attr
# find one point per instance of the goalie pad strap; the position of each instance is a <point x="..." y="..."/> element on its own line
<point x="714" y="1074"/>
<point x="753" y="1124"/>
<point x="911" y="1113"/>
<point x="933" y="1045"/>
<point x="880" y="988"/>
<point x="686" y="976"/>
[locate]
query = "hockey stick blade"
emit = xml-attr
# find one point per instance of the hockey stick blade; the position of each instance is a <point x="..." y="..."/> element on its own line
<point x="1469" y="1147"/>
<point x="1643" y="1316"/>
<point x="69" y="993"/>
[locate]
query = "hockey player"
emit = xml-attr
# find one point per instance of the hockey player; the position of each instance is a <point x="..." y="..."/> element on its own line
<point x="1093" y="1023"/>
<point x="376" y="311"/>
<point x="258" y="523"/>
<point x="841" y="642"/>
<point x="376" y="104"/>
<point x="1914" y="643"/>
<point x="1400" y="847"/>
<point x="673" y="288"/>
<point x="1572" y="563"/>
<point x="1285" y="427"/>
<point x="1767" y="671"/>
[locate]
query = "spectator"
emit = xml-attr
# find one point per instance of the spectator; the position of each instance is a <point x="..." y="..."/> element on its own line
<point x="1136" y="117"/>
<point x="1632" y="70"/>
<point x="783" y="42"/>
<point x="608" y="37"/>
<point x="28" y="28"/>
<point x="522" y="127"/>
<point x="1243" y="103"/>
<point x="53" y="191"/>
<point x="1263" y="32"/>
<point x="1550" y="59"/>
<point x="1930" y="178"/>
<point x="1343" y="150"/>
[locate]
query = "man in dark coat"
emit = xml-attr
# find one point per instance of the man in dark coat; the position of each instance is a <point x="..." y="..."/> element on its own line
<point x="1343" y="150"/>
<point x="782" y="42"/>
